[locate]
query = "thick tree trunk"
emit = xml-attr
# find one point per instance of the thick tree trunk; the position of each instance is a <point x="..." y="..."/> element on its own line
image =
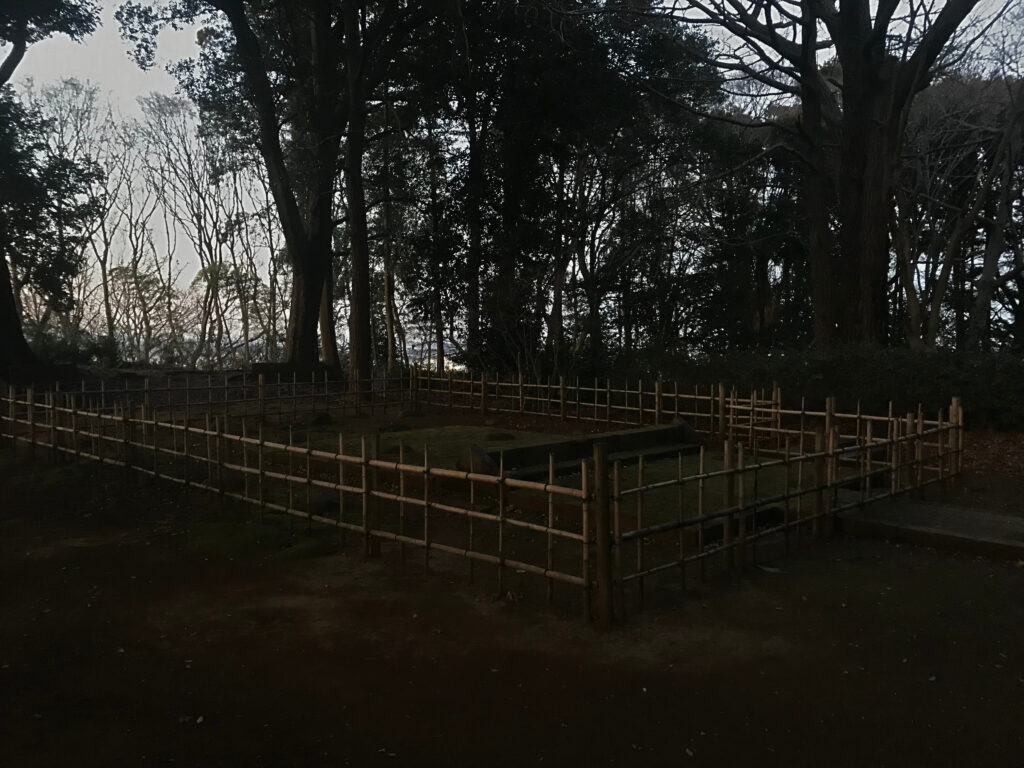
<point x="360" y="362"/>
<point x="304" y="315"/>
<point x="14" y="350"/>
<point x="865" y="199"/>
<point x="474" y="224"/>
<point x="328" y="332"/>
<point x="818" y="192"/>
<point x="390" y="317"/>
<point x="905" y="266"/>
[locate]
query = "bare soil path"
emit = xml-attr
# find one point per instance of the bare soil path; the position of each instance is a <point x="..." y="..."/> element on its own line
<point x="146" y="625"/>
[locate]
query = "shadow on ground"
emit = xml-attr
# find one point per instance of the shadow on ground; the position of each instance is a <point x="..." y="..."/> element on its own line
<point x="147" y="625"/>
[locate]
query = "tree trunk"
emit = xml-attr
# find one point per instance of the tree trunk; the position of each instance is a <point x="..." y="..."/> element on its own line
<point x="817" y="192"/>
<point x="14" y="350"/>
<point x="438" y="325"/>
<point x="474" y="224"/>
<point x="865" y="201"/>
<point x="304" y="315"/>
<point x="556" y="323"/>
<point x="1005" y="155"/>
<point x="995" y="246"/>
<point x="328" y="333"/>
<point x="360" y="363"/>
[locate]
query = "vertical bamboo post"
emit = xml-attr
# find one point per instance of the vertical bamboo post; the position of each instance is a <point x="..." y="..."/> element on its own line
<point x="483" y="392"/>
<point x="12" y="414"/>
<point x="156" y="450"/>
<point x="731" y="428"/>
<point x="472" y="506"/>
<point x="741" y="487"/>
<point x="957" y="434"/>
<point x="657" y="401"/>
<point x="188" y="401"/>
<point x="820" y="481"/>
<point x="501" y="524"/>
<point x="681" y="497"/>
<point x="585" y="529"/>
<point x="786" y="507"/>
<point x="218" y="427"/>
<point x="185" y="447"/>
<point x="126" y="425"/>
<point x="365" y="494"/>
<point x="99" y="430"/>
<point x="595" y="399"/>
<point x="893" y="452"/>
<point x="260" y="469"/>
<point x="374" y="500"/>
<point x="752" y="427"/>
<point x="833" y="474"/>
<point x="426" y="506"/>
<point x="640" y="524"/>
<point x="859" y="417"/>
<point x="74" y="429"/>
<point x="608" y="400"/>
<point x="561" y="398"/>
<point x="578" y="414"/>
<point x="209" y="450"/>
<point x="261" y="396"/>
<point x="550" y="561"/>
<point x="906" y="445"/>
<point x="777" y="405"/>
<point x="721" y="410"/>
<point x="602" y="538"/>
<point x="245" y="464"/>
<point x="729" y="494"/>
<point x="30" y="397"/>
<point x="295" y="393"/>
<point x="869" y="463"/>
<point x="401" y="503"/>
<point x="620" y="597"/>
<point x="639" y="400"/>
<point x="702" y="568"/>
<point x="522" y="394"/>
<point x="52" y="422"/>
<point x="341" y="486"/>
<point x="950" y="447"/>
<point x="803" y="418"/>
<point x="919" y="450"/>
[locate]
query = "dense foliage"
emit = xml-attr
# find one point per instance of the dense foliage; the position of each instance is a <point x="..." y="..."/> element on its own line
<point x="570" y="185"/>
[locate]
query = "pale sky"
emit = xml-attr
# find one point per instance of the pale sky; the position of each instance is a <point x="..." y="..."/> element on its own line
<point x="102" y="58"/>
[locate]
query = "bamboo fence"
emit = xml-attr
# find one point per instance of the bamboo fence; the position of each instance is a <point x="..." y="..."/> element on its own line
<point x="784" y="473"/>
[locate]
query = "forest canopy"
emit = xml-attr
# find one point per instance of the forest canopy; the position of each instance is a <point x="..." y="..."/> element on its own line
<point x="536" y="185"/>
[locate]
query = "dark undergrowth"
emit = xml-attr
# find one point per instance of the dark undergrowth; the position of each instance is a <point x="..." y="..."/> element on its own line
<point x="990" y="385"/>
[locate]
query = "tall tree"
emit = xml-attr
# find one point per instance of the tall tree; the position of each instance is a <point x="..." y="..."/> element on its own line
<point x="308" y="71"/>
<point x="851" y="124"/>
<point x="21" y="24"/>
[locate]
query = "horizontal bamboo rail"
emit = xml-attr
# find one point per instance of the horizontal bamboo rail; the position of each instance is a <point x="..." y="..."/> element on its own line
<point x="813" y="464"/>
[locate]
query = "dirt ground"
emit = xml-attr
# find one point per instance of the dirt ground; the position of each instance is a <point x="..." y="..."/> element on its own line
<point x="147" y="625"/>
<point x="993" y="474"/>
